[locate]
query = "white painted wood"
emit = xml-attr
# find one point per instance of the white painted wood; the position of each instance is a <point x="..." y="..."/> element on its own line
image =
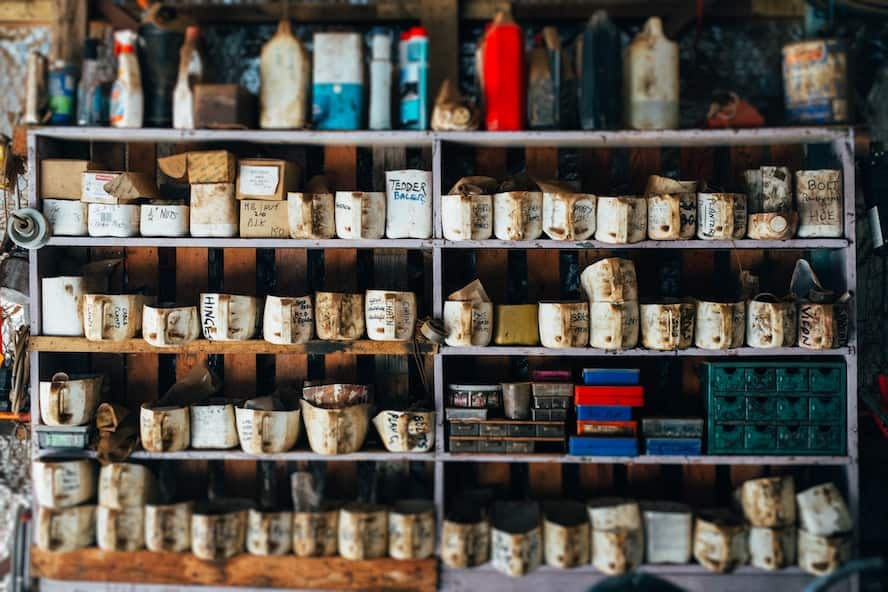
<point x="592" y="352"/>
<point x="564" y="139"/>
<point x="412" y="243"/>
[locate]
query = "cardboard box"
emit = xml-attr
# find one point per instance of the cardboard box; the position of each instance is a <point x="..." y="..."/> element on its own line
<point x="266" y="179"/>
<point x="264" y="219"/>
<point x="61" y="178"/>
<point x="204" y="166"/>
<point x="117" y="187"/>
<point x="223" y="106"/>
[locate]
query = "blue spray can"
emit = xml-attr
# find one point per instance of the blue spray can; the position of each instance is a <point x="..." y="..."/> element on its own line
<point x="413" y="88"/>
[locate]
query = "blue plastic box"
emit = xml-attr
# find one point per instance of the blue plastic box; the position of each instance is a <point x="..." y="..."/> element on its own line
<point x="611" y="376"/>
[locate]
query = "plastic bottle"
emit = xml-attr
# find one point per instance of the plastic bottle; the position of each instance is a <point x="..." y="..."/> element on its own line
<point x="380" y="80"/>
<point x="191" y="72"/>
<point x="503" y="75"/>
<point x="284" y="71"/>
<point x="413" y="91"/>
<point x="650" y="79"/>
<point x="338" y="81"/>
<point x="600" y="67"/>
<point x="62" y="90"/>
<point x="89" y="85"/>
<point x="126" y="94"/>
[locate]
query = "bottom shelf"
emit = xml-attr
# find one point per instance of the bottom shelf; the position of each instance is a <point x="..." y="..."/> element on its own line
<point x="287" y="571"/>
<point x="690" y="578"/>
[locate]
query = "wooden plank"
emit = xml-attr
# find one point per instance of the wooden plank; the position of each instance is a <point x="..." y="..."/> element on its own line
<point x="239" y="277"/>
<point x="142" y="369"/>
<point x="285" y="571"/>
<point x="26" y="11"/>
<point x="291" y="267"/>
<point x="596" y="479"/>
<point x="142" y="272"/>
<point x="595" y="170"/>
<point x="340" y="166"/>
<point x="543" y="283"/>
<point x="204" y="346"/>
<point x="742" y="158"/>
<point x="192" y="278"/>
<point x="643" y="162"/>
<point x="441" y="20"/>
<point x="340" y="275"/>
<point x="698" y="268"/>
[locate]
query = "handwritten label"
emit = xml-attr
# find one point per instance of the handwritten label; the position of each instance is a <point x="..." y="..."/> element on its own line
<point x="258" y="180"/>
<point x="264" y="219"/>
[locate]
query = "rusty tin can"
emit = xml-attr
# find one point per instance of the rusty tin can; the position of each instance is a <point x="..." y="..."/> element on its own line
<point x="815" y="81"/>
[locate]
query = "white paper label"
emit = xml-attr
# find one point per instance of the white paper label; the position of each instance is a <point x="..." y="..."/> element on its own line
<point x="259" y="180"/>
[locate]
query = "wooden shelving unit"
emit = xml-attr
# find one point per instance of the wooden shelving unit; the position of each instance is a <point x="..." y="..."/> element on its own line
<point x="388" y="149"/>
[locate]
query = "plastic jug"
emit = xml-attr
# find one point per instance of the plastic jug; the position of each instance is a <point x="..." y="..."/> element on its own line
<point x="284" y="72"/>
<point x="650" y="79"/>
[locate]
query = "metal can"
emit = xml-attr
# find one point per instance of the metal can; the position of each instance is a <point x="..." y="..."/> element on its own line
<point x="62" y="93"/>
<point x="815" y="81"/>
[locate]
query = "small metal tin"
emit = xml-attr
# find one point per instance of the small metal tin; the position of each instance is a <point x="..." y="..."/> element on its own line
<point x="454" y="413"/>
<point x="64" y="437"/>
<point x="672" y="427"/>
<point x="553" y="389"/>
<point x="464" y="428"/>
<point x="463" y="445"/>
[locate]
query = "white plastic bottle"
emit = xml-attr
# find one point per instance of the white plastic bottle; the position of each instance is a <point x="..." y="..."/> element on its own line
<point x="127" y="102"/>
<point x="380" y="80"/>
<point x="190" y="73"/>
<point x="284" y="69"/>
<point x="650" y="79"/>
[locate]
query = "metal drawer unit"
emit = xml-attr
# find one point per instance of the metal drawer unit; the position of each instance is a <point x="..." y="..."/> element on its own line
<point x="775" y="407"/>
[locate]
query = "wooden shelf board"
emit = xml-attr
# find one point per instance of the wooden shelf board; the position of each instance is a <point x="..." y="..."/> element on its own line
<point x="580" y="579"/>
<point x="425" y="244"/>
<point x="237" y="454"/>
<point x="593" y="352"/>
<point x="286" y="571"/>
<point x="236" y="242"/>
<point x="43" y="343"/>
<point x="168" y="135"/>
<point x="382" y="455"/>
<point x="563" y="139"/>
<point x="792" y="244"/>
<point x="646" y="459"/>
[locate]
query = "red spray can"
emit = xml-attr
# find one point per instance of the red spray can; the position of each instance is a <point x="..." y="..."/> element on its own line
<point x="503" y="74"/>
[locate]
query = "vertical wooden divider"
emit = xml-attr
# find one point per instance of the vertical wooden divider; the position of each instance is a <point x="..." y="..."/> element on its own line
<point x="698" y="481"/>
<point x="112" y="366"/>
<point x="142" y="272"/>
<point x="340" y="166"/>
<point x="291" y="267"/>
<point x="192" y="278"/>
<point x="543" y="282"/>
<point x="643" y="162"/>
<point x="595" y="176"/>
<point x="490" y="265"/>
<point x="239" y="277"/>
